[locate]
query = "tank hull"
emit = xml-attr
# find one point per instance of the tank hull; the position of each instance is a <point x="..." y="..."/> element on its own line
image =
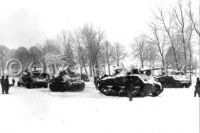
<point x="31" y="85"/>
<point x="128" y="85"/>
<point x="170" y="82"/>
<point x="66" y="86"/>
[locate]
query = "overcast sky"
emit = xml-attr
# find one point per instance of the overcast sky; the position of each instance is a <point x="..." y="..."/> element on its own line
<point x="28" y="22"/>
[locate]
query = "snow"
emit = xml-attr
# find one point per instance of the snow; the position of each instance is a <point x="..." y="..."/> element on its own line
<point x="43" y="111"/>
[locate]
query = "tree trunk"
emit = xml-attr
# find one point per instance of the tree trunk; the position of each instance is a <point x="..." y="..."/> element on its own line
<point x="172" y="43"/>
<point x="96" y="73"/>
<point x="185" y="55"/>
<point x="81" y="71"/>
<point x="142" y="63"/>
<point x="44" y="66"/>
<point x="85" y="69"/>
<point x="150" y="64"/>
<point x="104" y="68"/>
<point x="117" y="61"/>
<point x="83" y="63"/>
<point x="190" y="67"/>
<point x="163" y="61"/>
<point x="90" y="67"/>
<point x="3" y="69"/>
<point x="93" y="71"/>
<point x="185" y="58"/>
<point x="108" y="66"/>
<point x="54" y="69"/>
<point x="153" y="67"/>
<point x="190" y="62"/>
<point x="174" y="52"/>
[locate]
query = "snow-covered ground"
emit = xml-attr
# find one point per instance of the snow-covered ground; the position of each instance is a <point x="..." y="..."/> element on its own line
<point x="43" y="111"/>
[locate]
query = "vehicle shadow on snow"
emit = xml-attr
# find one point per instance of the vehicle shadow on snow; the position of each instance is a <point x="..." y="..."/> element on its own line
<point x="89" y="92"/>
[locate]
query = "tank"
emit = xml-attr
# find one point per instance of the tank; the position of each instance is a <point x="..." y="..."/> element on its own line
<point x="67" y="81"/>
<point x="134" y="82"/>
<point x="175" y="79"/>
<point x="34" y="79"/>
<point x="40" y="80"/>
<point x="25" y="80"/>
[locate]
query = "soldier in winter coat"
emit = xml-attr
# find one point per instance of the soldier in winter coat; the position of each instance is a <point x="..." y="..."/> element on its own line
<point x="7" y="85"/>
<point x="197" y="88"/>
<point x="13" y="82"/>
<point x="3" y="84"/>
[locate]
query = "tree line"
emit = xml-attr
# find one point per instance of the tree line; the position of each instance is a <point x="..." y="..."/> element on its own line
<point x="86" y="47"/>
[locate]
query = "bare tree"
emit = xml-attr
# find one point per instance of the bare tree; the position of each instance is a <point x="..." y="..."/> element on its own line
<point x="4" y="53"/>
<point x="23" y="55"/>
<point x="93" y="40"/>
<point x="108" y="54"/>
<point x="35" y="53"/>
<point x="11" y="53"/>
<point x="189" y="32"/>
<point x="80" y="52"/>
<point x="192" y="19"/>
<point x="151" y="53"/>
<point x="102" y="60"/>
<point x="181" y="24"/>
<point x="66" y="42"/>
<point x="138" y="48"/>
<point x="195" y="27"/>
<point x="49" y="47"/>
<point x="159" y="40"/>
<point x="119" y="52"/>
<point x="168" y="28"/>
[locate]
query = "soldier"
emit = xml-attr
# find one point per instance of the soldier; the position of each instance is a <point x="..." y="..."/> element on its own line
<point x="7" y="85"/>
<point x="117" y="70"/>
<point x="96" y="78"/>
<point x="3" y="84"/>
<point x="13" y="82"/>
<point x="130" y="91"/>
<point x="197" y="88"/>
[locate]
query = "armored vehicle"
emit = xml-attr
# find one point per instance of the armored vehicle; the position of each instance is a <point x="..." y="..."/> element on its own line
<point x="138" y="83"/>
<point x="175" y="79"/>
<point x="25" y="80"/>
<point x="67" y="81"/>
<point x="34" y="79"/>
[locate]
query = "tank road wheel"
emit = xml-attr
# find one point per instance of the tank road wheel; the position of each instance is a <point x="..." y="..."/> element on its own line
<point x="54" y="87"/>
<point x="82" y="86"/>
<point x="122" y="92"/>
<point x="51" y="87"/>
<point x="45" y="85"/>
<point x="157" y="91"/>
<point x="178" y="84"/>
<point x="131" y="91"/>
<point x="146" y="90"/>
<point x="28" y="85"/>
<point x="103" y="89"/>
<point x="18" y="84"/>
<point x="113" y="91"/>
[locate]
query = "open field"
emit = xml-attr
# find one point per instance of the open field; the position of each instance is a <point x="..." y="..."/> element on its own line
<point x="40" y="110"/>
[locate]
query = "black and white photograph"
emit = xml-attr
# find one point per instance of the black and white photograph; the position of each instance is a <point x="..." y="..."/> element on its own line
<point x="100" y="66"/>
